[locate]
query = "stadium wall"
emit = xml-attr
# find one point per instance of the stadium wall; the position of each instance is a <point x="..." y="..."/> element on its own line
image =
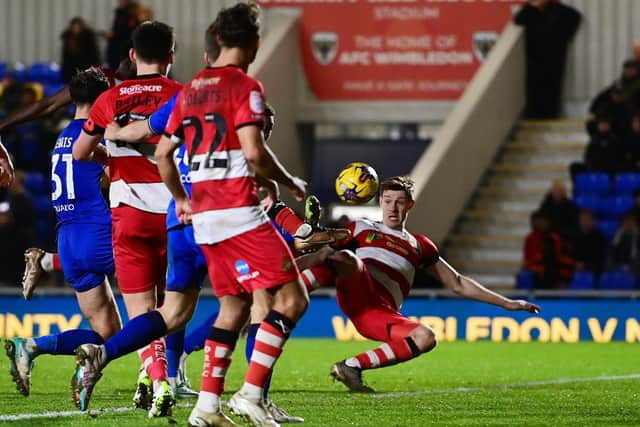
<point x="562" y="320"/>
<point x="466" y="143"/>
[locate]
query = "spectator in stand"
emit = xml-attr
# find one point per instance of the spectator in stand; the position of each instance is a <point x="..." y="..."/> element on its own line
<point x="561" y="212"/>
<point x="590" y="245"/>
<point x="630" y="79"/>
<point x="17" y="229"/>
<point x="604" y="152"/>
<point x="144" y="13"/>
<point x="635" y="210"/>
<point x="549" y="28"/>
<point x="124" y="21"/>
<point x="631" y="146"/>
<point x="612" y="103"/>
<point x="79" y="48"/>
<point x="626" y="243"/>
<point x="544" y="255"/>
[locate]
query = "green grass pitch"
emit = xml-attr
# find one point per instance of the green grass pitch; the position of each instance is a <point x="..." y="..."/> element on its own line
<point x="459" y="383"/>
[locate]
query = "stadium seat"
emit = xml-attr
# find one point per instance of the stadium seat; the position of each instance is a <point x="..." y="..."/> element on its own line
<point x="583" y="280"/>
<point x="42" y="205"/>
<point x="52" y="89"/>
<point x="627" y="183"/>
<point x="613" y="207"/>
<point x="20" y="72"/>
<point x="592" y="183"/>
<point x="36" y="184"/>
<point x="617" y="280"/>
<point x="526" y="280"/>
<point x="38" y="72"/>
<point x="4" y="69"/>
<point x="608" y="228"/>
<point x="588" y="201"/>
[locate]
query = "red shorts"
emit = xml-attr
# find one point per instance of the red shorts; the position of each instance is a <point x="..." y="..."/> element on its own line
<point x="257" y="259"/>
<point x="139" y="249"/>
<point x="370" y="307"/>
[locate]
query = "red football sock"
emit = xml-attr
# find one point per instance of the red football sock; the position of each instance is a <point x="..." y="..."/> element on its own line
<point x="288" y="220"/>
<point x="156" y="351"/>
<point x="56" y="262"/>
<point x="218" y="349"/>
<point x="387" y="354"/>
<point x="317" y="276"/>
<point x="273" y="333"/>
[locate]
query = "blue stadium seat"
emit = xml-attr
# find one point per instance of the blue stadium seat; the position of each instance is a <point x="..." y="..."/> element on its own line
<point x="38" y="72"/>
<point x="526" y="280"/>
<point x="607" y="228"/>
<point x="37" y="185"/>
<point x="42" y="205"/>
<point x="617" y="280"/>
<point x="592" y="183"/>
<point x="627" y="183"/>
<point x="4" y="69"/>
<point x="52" y="89"/>
<point x="20" y="72"/>
<point x="583" y="280"/>
<point x="588" y="201"/>
<point x="613" y="207"/>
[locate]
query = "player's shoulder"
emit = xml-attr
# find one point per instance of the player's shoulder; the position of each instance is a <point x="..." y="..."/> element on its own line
<point x="427" y="247"/>
<point x="363" y="224"/>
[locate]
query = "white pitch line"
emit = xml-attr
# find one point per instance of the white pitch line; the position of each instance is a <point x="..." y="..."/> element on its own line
<point x="557" y="381"/>
<point x="61" y="414"/>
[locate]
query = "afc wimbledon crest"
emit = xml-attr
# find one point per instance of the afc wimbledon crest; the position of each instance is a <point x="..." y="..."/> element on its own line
<point x="324" y="46"/>
<point x="483" y="41"/>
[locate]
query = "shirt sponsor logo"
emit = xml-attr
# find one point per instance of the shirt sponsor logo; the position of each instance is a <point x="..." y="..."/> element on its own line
<point x="243" y="268"/>
<point x="131" y="90"/>
<point x="199" y="83"/>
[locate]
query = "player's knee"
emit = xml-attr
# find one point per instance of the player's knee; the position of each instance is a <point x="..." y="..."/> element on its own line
<point x="345" y="263"/>
<point x="293" y="301"/>
<point x="424" y="338"/>
<point x="108" y="328"/>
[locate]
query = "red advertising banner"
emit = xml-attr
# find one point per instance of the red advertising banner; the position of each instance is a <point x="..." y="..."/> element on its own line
<point x="393" y="50"/>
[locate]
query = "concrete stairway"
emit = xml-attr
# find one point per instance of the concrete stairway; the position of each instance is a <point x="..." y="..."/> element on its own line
<point x="488" y="238"/>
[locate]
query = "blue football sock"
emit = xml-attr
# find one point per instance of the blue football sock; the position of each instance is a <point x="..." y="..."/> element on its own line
<point x="252" y="330"/>
<point x="175" y="347"/>
<point x="137" y="333"/>
<point x="66" y="342"/>
<point x="194" y="340"/>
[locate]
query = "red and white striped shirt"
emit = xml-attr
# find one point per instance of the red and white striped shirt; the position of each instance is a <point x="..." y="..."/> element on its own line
<point x="135" y="180"/>
<point x="391" y="256"/>
<point x="208" y="111"/>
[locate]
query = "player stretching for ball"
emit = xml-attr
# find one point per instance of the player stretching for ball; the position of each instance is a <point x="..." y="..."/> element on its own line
<point x="139" y="199"/>
<point x="84" y="242"/>
<point x="373" y="282"/>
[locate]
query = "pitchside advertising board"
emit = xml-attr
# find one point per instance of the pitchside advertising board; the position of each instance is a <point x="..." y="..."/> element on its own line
<point x="561" y="320"/>
<point x="395" y="50"/>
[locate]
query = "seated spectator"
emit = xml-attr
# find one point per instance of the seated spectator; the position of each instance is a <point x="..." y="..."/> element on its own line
<point x="635" y="210"/>
<point x="631" y="146"/>
<point x="604" y="152"/>
<point x="626" y="243"/>
<point x="544" y="255"/>
<point x="629" y="80"/>
<point x="611" y="102"/>
<point x="17" y="229"/>
<point x="561" y="211"/>
<point x="590" y="245"/>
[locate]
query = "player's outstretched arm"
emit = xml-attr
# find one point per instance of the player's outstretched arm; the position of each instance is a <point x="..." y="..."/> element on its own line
<point x="133" y="132"/>
<point x="7" y="173"/>
<point x="264" y="161"/>
<point x="39" y="109"/>
<point x="469" y="288"/>
<point x="171" y="177"/>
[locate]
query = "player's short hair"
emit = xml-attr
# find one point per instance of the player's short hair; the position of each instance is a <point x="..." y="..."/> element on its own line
<point x="398" y="183"/>
<point x="153" y="41"/>
<point x="86" y="86"/>
<point x="236" y="26"/>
